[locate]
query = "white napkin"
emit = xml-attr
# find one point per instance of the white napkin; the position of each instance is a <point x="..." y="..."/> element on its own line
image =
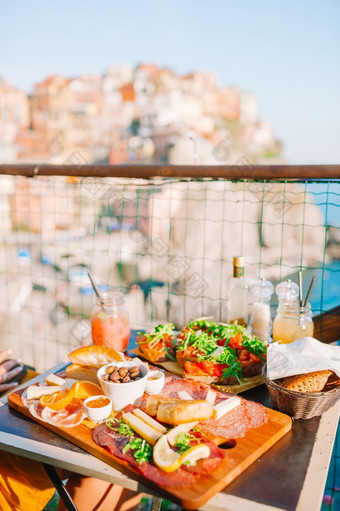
<point x="299" y="357"/>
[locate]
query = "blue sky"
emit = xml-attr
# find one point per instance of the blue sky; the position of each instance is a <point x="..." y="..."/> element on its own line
<point x="287" y="53"/>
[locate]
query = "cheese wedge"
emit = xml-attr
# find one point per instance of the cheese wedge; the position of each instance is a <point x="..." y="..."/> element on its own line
<point x="211" y="396"/>
<point x="182" y="429"/>
<point x="225" y="406"/>
<point x="36" y="392"/>
<point x="144" y="430"/>
<point x="184" y="395"/>
<point x="52" y="379"/>
<point x="149" y="420"/>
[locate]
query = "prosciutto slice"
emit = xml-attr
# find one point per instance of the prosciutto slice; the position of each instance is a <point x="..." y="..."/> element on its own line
<point x="68" y="417"/>
<point x="114" y="443"/>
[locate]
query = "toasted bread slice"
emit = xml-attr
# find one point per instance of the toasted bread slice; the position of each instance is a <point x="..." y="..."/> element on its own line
<point x="310" y="382"/>
<point x="152" y="354"/>
<point x="94" y="356"/>
<point x="78" y="372"/>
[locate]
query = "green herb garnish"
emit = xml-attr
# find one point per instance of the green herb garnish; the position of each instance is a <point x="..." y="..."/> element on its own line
<point x="183" y="442"/>
<point x="142" y="450"/>
<point x="153" y="338"/>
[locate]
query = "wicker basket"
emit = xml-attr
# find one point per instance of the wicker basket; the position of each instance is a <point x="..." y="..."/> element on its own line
<point x="300" y="405"/>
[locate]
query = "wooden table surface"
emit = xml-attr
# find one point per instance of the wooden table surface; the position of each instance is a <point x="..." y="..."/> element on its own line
<point x="290" y="476"/>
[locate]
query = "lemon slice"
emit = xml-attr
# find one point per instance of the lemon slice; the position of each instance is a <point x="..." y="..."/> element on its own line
<point x="168" y="460"/>
<point x="195" y="453"/>
<point x="164" y="457"/>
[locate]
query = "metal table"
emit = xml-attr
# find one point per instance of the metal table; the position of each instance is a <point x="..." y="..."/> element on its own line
<point x="290" y="476"/>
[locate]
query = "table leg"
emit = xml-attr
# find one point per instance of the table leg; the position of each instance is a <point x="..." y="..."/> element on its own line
<point x="156" y="504"/>
<point x="59" y="486"/>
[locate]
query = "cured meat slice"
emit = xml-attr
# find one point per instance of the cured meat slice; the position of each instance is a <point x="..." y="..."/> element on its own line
<point x="207" y="465"/>
<point x="71" y="416"/>
<point x="114" y="443"/>
<point x="233" y="424"/>
<point x="258" y="414"/>
<point x="173" y="385"/>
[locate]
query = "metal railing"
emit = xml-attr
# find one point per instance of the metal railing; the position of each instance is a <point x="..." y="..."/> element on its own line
<point x="164" y="235"/>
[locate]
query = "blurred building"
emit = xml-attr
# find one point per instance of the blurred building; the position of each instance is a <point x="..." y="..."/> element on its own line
<point x="133" y="115"/>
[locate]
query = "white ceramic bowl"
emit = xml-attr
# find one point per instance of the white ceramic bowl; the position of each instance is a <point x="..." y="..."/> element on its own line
<point x="123" y="394"/>
<point x="97" y="414"/>
<point x="155" y="382"/>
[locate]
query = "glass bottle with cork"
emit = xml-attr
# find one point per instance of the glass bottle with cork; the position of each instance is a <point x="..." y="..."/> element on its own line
<point x="237" y="294"/>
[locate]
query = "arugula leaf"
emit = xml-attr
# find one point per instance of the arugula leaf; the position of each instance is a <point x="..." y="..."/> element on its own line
<point x="153" y="338"/>
<point x="255" y="345"/>
<point x="142" y="450"/>
<point x="183" y="442"/>
<point x="201" y="341"/>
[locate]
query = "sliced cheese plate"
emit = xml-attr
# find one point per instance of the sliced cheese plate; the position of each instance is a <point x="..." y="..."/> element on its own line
<point x="240" y="453"/>
<point x="173" y="367"/>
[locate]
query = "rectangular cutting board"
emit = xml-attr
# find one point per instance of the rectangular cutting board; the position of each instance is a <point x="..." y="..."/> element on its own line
<point x="238" y="458"/>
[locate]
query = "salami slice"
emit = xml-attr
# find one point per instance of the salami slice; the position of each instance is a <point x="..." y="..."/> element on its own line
<point x="258" y="414"/>
<point x="233" y="424"/>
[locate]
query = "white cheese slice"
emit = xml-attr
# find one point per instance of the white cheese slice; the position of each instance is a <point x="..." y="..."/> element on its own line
<point x="218" y="351"/>
<point x="36" y="392"/>
<point x="149" y="420"/>
<point x="143" y="429"/>
<point x="211" y="396"/>
<point x="225" y="406"/>
<point x="52" y="379"/>
<point x="182" y="394"/>
<point x="181" y="429"/>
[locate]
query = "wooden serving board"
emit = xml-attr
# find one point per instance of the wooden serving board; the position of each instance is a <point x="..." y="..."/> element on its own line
<point x="173" y="367"/>
<point x="240" y="454"/>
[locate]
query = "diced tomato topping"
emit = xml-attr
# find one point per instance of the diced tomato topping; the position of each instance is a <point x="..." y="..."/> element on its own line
<point x="236" y="341"/>
<point x="243" y="354"/>
<point x="208" y="367"/>
<point x="219" y="369"/>
<point x="193" y="368"/>
<point x="221" y="342"/>
<point x="254" y="358"/>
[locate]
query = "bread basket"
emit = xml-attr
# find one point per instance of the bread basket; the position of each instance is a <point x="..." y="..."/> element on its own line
<point x="300" y="405"/>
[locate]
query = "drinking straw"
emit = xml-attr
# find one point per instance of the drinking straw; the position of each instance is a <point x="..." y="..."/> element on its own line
<point x="95" y="288"/>
<point x="300" y="288"/>
<point x="309" y="291"/>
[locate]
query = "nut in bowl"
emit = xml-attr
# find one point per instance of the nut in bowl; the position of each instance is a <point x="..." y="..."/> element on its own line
<point x="155" y="382"/>
<point x="98" y="408"/>
<point x="123" y="382"/>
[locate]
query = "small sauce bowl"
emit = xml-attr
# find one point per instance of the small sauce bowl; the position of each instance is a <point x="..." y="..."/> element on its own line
<point x="98" y="408"/>
<point x="155" y="382"/>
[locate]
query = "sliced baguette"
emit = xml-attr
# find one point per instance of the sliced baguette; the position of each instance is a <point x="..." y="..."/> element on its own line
<point x="184" y="411"/>
<point x="310" y="382"/>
